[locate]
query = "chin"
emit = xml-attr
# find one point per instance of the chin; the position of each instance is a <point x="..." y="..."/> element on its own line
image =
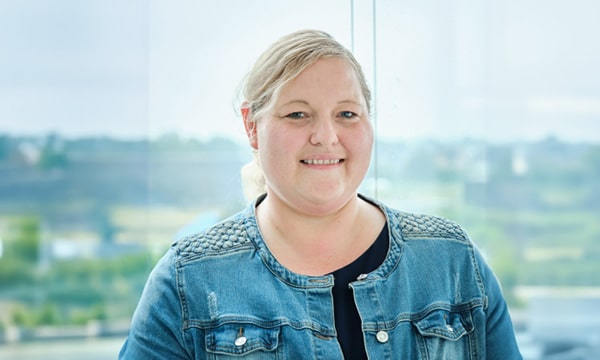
<point x="326" y="203"/>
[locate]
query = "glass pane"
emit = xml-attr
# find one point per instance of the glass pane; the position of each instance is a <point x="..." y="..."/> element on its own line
<point x="488" y="113"/>
<point x="118" y="133"/>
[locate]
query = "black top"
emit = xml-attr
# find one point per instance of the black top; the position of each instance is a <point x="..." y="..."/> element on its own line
<point x="347" y="320"/>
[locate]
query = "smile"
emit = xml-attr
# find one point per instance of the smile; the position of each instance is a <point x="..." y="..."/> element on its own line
<point x="321" y="161"/>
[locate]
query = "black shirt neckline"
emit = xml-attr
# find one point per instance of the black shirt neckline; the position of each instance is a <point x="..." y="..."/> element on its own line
<point x="347" y="319"/>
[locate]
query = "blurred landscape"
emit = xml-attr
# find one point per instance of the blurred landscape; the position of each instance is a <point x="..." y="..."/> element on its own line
<point x="84" y="220"/>
<point x="84" y="217"/>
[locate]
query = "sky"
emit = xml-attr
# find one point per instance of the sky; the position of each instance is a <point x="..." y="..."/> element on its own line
<point x="498" y="70"/>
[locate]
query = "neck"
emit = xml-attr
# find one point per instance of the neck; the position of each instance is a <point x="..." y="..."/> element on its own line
<point x="318" y="244"/>
<point x="304" y="225"/>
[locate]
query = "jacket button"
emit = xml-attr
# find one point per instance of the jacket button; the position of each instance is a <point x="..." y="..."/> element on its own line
<point x="362" y="277"/>
<point x="240" y="341"/>
<point x="382" y="336"/>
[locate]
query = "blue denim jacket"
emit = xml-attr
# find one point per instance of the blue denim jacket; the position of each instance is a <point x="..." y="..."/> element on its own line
<point x="222" y="295"/>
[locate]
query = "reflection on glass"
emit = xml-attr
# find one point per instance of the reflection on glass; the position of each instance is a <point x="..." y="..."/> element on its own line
<point x="486" y="113"/>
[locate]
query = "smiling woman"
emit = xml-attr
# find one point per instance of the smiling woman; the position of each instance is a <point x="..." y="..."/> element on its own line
<point x="305" y="128"/>
<point x="311" y="268"/>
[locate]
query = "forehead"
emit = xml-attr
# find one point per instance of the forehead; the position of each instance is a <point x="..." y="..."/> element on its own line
<point x="328" y="80"/>
<point x="325" y="72"/>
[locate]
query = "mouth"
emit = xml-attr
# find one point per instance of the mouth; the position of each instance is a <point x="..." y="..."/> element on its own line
<point x="321" y="161"/>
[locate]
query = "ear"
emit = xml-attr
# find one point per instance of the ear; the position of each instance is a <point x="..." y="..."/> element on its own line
<point x="249" y="125"/>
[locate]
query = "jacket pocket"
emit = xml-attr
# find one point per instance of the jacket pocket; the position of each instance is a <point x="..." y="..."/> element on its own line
<point x="444" y="334"/>
<point x="246" y="340"/>
<point x="445" y="324"/>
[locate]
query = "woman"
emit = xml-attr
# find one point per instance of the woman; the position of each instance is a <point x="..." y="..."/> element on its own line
<point x="312" y="269"/>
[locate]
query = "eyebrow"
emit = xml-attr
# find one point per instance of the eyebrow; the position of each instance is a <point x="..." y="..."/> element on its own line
<point x="304" y="102"/>
<point x="350" y="101"/>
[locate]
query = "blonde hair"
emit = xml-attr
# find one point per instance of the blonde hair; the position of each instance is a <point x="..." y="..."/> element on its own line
<point x="276" y="67"/>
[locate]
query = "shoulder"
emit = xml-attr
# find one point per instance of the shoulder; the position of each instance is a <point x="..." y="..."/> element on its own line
<point x="229" y="235"/>
<point x="421" y="226"/>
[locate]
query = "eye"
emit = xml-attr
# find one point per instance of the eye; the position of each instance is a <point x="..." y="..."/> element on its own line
<point x="347" y="114"/>
<point x="296" y="115"/>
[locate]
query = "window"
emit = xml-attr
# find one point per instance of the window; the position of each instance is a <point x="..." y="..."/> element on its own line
<point x="120" y="133"/>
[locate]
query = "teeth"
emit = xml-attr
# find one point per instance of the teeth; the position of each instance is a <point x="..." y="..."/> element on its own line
<point x="321" y="162"/>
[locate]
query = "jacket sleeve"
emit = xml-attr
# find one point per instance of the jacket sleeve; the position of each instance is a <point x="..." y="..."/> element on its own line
<point x="156" y="327"/>
<point x="501" y="342"/>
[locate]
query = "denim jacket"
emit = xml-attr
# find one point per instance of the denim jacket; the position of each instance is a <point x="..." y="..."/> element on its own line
<point x="221" y="294"/>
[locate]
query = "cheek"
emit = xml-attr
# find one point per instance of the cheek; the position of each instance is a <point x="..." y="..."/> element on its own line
<point x="269" y="139"/>
<point x="361" y="142"/>
<point x="279" y="138"/>
<point x="274" y="149"/>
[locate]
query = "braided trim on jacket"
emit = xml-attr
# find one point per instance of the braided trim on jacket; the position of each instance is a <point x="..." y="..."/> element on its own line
<point x="223" y="237"/>
<point x="415" y="226"/>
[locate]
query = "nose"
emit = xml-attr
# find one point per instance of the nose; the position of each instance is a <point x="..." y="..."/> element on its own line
<point x="324" y="132"/>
